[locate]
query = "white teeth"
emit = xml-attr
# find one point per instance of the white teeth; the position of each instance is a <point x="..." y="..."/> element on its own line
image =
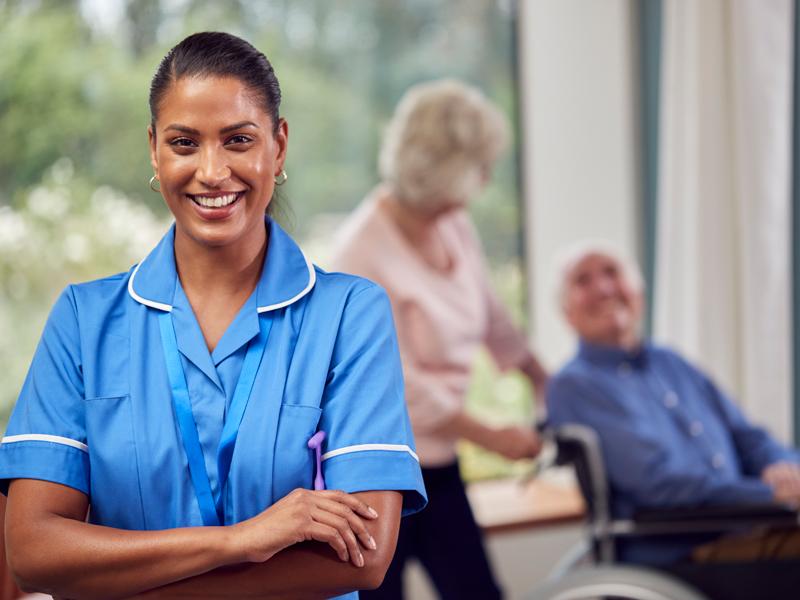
<point x="215" y="202"/>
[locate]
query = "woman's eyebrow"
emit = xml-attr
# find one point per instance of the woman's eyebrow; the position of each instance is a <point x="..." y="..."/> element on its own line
<point x="181" y="128"/>
<point x="226" y="129"/>
<point x="236" y="126"/>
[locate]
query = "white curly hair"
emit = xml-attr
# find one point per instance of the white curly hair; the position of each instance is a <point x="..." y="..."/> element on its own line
<point x="443" y="138"/>
<point x="570" y="257"/>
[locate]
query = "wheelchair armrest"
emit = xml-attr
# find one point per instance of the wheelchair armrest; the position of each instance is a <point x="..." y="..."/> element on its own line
<point x="766" y="513"/>
<point x="579" y="446"/>
<point x="701" y="520"/>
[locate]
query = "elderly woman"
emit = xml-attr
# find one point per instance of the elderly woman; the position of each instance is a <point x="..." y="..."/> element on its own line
<point x="171" y="416"/>
<point x="412" y="235"/>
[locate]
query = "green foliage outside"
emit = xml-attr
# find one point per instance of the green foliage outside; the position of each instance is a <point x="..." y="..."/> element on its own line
<point x="74" y="78"/>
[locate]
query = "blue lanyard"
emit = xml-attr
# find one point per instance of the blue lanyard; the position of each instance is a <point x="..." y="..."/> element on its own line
<point x="211" y="510"/>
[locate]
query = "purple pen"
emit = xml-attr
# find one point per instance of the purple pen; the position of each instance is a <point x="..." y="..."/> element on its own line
<point x="315" y="443"/>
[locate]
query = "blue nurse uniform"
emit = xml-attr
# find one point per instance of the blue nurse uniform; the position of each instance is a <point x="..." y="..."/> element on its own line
<point x="96" y="412"/>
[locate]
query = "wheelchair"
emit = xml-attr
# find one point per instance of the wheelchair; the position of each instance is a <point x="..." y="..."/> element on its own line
<point x="591" y="571"/>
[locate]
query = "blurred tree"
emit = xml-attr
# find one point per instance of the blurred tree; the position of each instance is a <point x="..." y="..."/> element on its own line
<point x="144" y="18"/>
<point x="343" y="64"/>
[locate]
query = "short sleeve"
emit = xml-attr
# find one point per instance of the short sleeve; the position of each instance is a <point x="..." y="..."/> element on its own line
<point x="370" y="444"/>
<point x="46" y="436"/>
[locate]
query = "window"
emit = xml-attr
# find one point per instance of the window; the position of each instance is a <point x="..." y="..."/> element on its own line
<point x="74" y="202"/>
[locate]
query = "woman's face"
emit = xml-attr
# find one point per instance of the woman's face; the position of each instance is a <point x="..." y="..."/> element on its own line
<point x="216" y="158"/>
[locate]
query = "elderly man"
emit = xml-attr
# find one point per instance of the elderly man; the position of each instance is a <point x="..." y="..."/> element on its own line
<point x="670" y="437"/>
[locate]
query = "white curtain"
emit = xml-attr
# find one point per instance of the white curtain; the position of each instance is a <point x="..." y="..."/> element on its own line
<point x="723" y="272"/>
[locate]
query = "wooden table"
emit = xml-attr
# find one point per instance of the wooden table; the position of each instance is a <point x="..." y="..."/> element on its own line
<point x="504" y="505"/>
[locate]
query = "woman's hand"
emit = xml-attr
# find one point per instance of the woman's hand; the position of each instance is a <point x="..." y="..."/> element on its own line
<point x="328" y="516"/>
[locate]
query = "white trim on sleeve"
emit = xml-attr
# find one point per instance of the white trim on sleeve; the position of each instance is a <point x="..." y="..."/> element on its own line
<point x="368" y="447"/>
<point x="41" y="437"/>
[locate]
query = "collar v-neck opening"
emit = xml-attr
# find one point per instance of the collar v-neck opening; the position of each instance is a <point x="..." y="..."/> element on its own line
<point x="243" y="328"/>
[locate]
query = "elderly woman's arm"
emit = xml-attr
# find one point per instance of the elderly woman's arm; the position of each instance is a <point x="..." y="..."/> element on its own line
<point x="52" y="549"/>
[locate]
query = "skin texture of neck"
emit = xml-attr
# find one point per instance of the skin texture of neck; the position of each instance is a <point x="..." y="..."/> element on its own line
<point x="218" y="280"/>
<point x="415" y="225"/>
<point x="213" y="271"/>
<point x="421" y="232"/>
<point x="628" y="340"/>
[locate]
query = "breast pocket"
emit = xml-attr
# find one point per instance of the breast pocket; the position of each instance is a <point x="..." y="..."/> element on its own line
<point x="114" y="477"/>
<point x="294" y="461"/>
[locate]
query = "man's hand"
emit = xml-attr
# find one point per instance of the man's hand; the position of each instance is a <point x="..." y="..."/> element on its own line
<point x="784" y="477"/>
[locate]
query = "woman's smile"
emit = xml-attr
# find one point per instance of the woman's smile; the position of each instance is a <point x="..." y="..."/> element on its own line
<point x="215" y="206"/>
<point x="215" y="200"/>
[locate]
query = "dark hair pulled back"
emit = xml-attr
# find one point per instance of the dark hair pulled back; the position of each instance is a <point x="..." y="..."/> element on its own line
<point x="217" y="54"/>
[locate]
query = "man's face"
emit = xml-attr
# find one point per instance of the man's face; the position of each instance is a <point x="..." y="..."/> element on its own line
<point x="600" y="303"/>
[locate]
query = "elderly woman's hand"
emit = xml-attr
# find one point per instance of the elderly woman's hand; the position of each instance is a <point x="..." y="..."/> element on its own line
<point x="328" y="516"/>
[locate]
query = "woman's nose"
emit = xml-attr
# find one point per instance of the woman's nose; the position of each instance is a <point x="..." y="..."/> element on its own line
<point x="213" y="169"/>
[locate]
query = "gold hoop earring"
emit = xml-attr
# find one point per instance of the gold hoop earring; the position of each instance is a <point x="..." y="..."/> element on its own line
<point x="282" y="178"/>
<point x="153" y="180"/>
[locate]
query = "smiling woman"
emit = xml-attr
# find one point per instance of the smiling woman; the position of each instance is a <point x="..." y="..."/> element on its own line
<point x="177" y="400"/>
<point x="216" y="155"/>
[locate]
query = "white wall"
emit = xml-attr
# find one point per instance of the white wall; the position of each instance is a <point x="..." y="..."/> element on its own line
<point x="579" y="90"/>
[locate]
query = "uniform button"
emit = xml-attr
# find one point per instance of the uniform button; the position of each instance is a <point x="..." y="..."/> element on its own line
<point x="717" y="461"/>
<point x="696" y="428"/>
<point x="670" y="399"/>
<point x="624" y="369"/>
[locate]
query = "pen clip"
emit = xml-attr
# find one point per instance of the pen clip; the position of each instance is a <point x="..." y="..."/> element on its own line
<point x="315" y="444"/>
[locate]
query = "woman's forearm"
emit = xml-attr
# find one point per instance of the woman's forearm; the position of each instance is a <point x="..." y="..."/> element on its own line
<point x="537" y="375"/>
<point x="52" y="550"/>
<point x="462" y="425"/>
<point x="513" y="441"/>
<point x="65" y="557"/>
<point x="306" y="571"/>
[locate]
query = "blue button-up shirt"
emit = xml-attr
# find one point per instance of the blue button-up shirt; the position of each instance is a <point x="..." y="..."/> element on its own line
<point x="669" y="436"/>
<point x="96" y="413"/>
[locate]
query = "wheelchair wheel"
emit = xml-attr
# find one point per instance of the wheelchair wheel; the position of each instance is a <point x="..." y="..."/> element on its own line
<point x="628" y="583"/>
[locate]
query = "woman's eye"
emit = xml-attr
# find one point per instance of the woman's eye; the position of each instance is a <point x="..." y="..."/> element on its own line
<point x="182" y="142"/>
<point x="239" y="139"/>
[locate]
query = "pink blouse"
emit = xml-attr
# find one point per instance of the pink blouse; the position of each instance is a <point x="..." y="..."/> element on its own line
<point x="441" y="318"/>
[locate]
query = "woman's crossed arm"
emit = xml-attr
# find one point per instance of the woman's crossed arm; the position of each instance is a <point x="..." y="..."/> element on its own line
<point x="307" y="545"/>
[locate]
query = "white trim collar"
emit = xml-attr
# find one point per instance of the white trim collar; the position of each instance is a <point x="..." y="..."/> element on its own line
<point x="145" y="301"/>
<point x="286" y="266"/>
<point x="312" y="279"/>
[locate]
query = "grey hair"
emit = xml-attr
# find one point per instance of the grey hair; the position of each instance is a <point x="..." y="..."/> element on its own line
<point x="571" y="256"/>
<point x="441" y="139"/>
